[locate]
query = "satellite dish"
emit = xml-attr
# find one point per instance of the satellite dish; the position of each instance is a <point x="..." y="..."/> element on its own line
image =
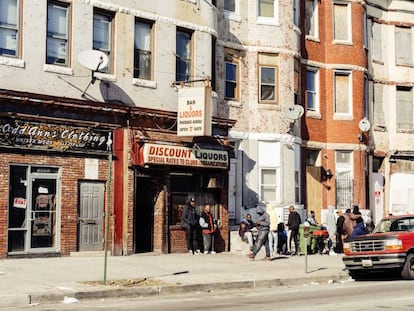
<point x="93" y="59"/>
<point x="294" y="112"/>
<point x="364" y="125"/>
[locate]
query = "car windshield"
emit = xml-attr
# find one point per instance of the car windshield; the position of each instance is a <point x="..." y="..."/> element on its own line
<point x="394" y="224"/>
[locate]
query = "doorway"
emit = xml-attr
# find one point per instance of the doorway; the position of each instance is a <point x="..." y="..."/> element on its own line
<point x="91" y="210"/>
<point x="33" y="209"/>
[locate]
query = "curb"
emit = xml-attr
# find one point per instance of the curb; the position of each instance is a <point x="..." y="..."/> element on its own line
<point x="179" y="289"/>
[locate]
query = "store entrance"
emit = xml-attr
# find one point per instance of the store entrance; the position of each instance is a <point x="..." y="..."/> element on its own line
<point x="33" y="209"/>
<point x="144" y="214"/>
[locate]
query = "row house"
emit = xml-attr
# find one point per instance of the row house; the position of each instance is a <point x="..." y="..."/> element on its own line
<point x="335" y="134"/>
<point x="259" y="86"/>
<point x="390" y="26"/>
<point x="108" y="125"/>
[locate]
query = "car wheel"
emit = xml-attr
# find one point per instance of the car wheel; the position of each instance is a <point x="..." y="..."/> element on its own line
<point x="408" y="269"/>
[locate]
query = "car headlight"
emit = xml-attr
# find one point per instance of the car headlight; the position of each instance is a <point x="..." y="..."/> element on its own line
<point x="347" y="246"/>
<point x="394" y="244"/>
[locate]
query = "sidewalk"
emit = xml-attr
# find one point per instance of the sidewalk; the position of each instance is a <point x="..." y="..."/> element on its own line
<point x="42" y="280"/>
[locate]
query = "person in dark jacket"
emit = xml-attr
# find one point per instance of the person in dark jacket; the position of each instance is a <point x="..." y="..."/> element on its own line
<point x="189" y="223"/>
<point x="340" y="231"/>
<point x="294" y="221"/>
<point x="359" y="228"/>
<point x="262" y="225"/>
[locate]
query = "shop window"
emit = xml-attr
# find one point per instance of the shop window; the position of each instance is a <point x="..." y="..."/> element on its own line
<point x="102" y="35"/>
<point x="57" y="51"/>
<point x="143" y="50"/>
<point x="9" y="28"/>
<point x="183" y="55"/>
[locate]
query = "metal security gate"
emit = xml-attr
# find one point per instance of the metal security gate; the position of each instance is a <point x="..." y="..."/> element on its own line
<point x="344" y="186"/>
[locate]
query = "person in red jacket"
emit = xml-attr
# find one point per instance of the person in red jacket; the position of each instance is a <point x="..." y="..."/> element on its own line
<point x="208" y="227"/>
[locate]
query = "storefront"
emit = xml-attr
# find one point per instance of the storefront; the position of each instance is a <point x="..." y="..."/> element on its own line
<point x="167" y="175"/>
<point x="53" y="175"/>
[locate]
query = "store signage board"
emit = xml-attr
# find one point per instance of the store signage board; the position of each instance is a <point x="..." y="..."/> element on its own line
<point x="194" y="111"/>
<point x="24" y="134"/>
<point x="183" y="156"/>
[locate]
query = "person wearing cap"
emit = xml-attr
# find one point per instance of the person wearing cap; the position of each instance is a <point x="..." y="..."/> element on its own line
<point x="189" y="223"/>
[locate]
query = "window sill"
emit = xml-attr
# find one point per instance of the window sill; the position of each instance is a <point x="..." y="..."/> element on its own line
<point x="404" y="65"/>
<point x="267" y="21"/>
<point x="144" y="83"/>
<point x="233" y="16"/>
<point x="14" y="62"/>
<point x="313" y="115"/>
<point x="105" y="76"/>
<point x="342" y="42"/>
<point x="58" y="69"/>
<point x="405" y="131"/>
<point x="312" y="38"/>
<point x="337" y="117"/>
<point x="378" y="61"/>
<point x="233" y="103"/>
<point x="379" y="128"/>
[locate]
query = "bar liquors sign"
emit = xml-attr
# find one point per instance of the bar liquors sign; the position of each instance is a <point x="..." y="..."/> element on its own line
<point x="46" y="136"/>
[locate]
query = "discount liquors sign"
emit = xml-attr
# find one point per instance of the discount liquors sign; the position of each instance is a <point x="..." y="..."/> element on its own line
<point x="194" y="111"/>
<point x="183" y="156"/>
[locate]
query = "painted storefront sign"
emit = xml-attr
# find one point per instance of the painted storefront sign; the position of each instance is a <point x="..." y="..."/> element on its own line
<point x="47" y="136"/>
<point x="183" y="156"/>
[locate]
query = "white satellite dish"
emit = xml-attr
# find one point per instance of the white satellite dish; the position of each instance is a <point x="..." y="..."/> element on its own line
<point x="294" y="112"/>
<point x="93" y="59"/>
<point x="364" y="125"/>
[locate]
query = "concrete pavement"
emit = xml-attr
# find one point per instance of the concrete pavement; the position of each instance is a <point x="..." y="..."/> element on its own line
<point x="43" y="280"/>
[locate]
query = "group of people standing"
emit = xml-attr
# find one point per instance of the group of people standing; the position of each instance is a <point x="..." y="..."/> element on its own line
<point x="269" y="232"/>
<point x="263" y="232"/>
<point x="193" y="223"/>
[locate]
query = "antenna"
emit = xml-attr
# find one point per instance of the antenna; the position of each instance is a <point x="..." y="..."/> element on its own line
<point x="93" y="60"/>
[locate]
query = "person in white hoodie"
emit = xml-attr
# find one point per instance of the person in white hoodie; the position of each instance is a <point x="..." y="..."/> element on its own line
<point x="331" y="227"/>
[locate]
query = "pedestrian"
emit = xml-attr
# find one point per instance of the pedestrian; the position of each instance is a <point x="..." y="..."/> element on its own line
<point x="293" y="223"/>
<point x="246" y="230"/>
<point x="274" y="220"/>
<point x="340" y="231"/>
<point x="208" y="227"/>
<point x="281" y="239"/>
<point x="312" y="219"/>
<point x="189" y="223"/>
<point x="262" y="225"/>
<point x="331" y="228"/>
<point x="348" y="223"/>
<point x="359" y="227"/>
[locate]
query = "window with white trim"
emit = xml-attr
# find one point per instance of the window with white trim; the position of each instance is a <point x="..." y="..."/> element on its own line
<point x="296" y="13"/>
<point x="312" y="19"/>
<point x="9" y="28"/>
<point x="342" y="92"/>
<point x="268" y="11"/>
<point x="102" y="35"/>
<point x="268" y="84"/>
<point x="344" y="179"/>
<point x="269" y="166"/>
<point x="57" y="51"/>
<point x="312" y="89"/>
<point x="403" y="46"/>
<point x="404" y="106"/>
<point x="342" y="22"/>
<point x="183" y="55"/>
<point x="231" y="61"/>
<point x="268" y="184"/>
<point x="143" y="50"/>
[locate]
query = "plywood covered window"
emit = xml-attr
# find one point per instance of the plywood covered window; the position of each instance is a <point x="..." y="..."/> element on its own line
<point x="378" y="105"/>
<point x="342" y="92"/>
<point x="403" y="46"/>
<point x="342" y="23"/>
<point x="404" y="108"/>
<point x="376" y="41"/>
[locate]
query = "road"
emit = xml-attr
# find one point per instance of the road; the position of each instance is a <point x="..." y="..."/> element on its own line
<point x="356" y="296"/>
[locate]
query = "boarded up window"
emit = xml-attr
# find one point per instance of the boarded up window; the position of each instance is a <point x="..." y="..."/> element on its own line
<point x="310" y="18"/>
<point x="403" y="54"/>
<point x="376" y="41"/>
<point x="404" y="108"/>
<point x="378" y="105"/>
<point x="266" y="8"/>
<point x="342" y="95"/>
<point x="341" y="22"/>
